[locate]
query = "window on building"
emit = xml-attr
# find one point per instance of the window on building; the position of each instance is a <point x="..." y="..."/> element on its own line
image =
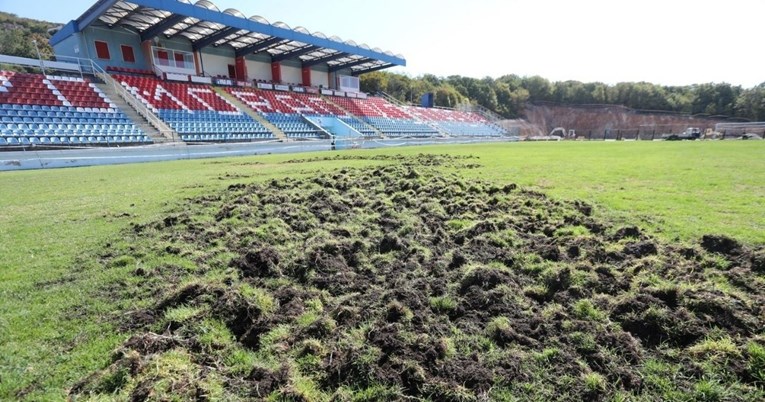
<point x="102" y="50"/>
<point x="164" y="57"/>
<point x="231" y="71"/>
<point x="127" y="54"/>
<point x="180" y="60"/>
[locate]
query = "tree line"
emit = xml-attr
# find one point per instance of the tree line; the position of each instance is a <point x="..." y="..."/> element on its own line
<point x="508" y="95"/>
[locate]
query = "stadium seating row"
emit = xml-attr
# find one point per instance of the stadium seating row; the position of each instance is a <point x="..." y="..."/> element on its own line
<point x="56" y="110"/>
<point x="377" y="112"/>
<point x="33" y="107"/>
<point x="74" y="140"/>
<point x="195" y="111"/>
<point x="455" y="122"/>
<point x="285" y="111"/>
<point x="125" y="70"/>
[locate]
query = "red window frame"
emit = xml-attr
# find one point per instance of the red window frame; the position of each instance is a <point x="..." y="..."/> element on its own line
<point x="102" y="50"/>
<point x="128" y="55"/>
<point x="180" y="60"/>
<point x="164" y="57"/>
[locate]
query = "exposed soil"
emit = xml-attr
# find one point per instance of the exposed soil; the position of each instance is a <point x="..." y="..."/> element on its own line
<point x="407" y="281"/>
<point x="594" y="120"/>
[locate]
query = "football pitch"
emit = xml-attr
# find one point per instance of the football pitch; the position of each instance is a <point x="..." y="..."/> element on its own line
<point x="65" y="283"/>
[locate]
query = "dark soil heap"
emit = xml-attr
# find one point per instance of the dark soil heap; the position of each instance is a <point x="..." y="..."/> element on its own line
<point x="407" y="282"/>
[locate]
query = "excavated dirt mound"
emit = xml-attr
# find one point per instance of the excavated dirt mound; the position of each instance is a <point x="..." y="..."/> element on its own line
<point x="407" y="282"/>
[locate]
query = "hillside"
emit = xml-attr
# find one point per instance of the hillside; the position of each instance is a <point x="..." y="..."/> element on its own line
<point x="17" y="34"/>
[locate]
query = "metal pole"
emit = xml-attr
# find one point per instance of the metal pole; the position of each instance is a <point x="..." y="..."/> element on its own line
<point x="39" y="57"/>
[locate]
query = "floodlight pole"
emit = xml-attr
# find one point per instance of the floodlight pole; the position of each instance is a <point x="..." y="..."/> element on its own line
<point x="39" y="57"/>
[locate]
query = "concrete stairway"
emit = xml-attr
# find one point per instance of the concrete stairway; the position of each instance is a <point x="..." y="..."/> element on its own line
<point x="378" y="132"/>
<point x="255" y="115"/>
<point x="153" y="126"/>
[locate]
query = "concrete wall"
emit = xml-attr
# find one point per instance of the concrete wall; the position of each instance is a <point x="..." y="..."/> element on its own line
<point x="291" y="74"/>
<point x="216" y="65"/>
<point x="319" y="77"/>
<point x="215" y="61"/>
<point x="71" y="47"/>
<point x="83" y="45"/>
<point x="258" y="70"/>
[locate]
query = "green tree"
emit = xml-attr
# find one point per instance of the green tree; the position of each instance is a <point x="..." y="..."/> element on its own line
<point x="715" y="99"/>
<point x="374" y="82"/>
<point x="540" y="89"/>
<point x="750" y="104"/>
<point x="508" y="94"/>
<point x="447" y="96"/>
<point x="419" y="87"/>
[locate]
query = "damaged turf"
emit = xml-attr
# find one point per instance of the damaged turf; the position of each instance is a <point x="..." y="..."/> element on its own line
<point x="406" y="280"/>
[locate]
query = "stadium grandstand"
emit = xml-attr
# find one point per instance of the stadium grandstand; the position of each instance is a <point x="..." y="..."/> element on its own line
<point x="150" y="71"/>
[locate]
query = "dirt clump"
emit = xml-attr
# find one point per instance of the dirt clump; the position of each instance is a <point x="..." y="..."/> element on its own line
<point x="259" y="262"/>
<point x="405" y="280"/>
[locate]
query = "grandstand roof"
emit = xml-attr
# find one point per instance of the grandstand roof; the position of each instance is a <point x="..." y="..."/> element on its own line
<point x="204" y="25"/>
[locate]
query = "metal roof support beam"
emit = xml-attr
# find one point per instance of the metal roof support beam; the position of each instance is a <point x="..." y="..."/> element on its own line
<point x="193" y="11"/>
<point x="348" y="65"/>
<point x="242" y="36"/>
<point x="126" y="16"/>
<point x="217" y="17"/>
<point x="210" y="39"/>
<point x="294" y="53"/>
<point x="372" y="69"/>
<point x="94" y="13"/>
<point x="322" y="60"/>
<point x="256" y="47"/>
<point x="194" y="25"/>
<point x="157" y="29"/>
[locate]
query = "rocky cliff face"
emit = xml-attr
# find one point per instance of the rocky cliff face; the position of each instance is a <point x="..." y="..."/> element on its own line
<point x="603" y="121"/>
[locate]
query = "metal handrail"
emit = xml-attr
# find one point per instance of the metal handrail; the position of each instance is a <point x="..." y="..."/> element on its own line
<point x="492" y="117"/>
<point x="133" y="102"/>
<point x="391" y="99"/>
<point x="88" y="66"/>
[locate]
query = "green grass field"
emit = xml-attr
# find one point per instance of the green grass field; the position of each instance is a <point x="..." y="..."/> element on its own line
<point x="56" y="320"/>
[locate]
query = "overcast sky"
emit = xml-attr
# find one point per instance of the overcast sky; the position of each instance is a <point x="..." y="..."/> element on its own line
<point x="669" y="42"/>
